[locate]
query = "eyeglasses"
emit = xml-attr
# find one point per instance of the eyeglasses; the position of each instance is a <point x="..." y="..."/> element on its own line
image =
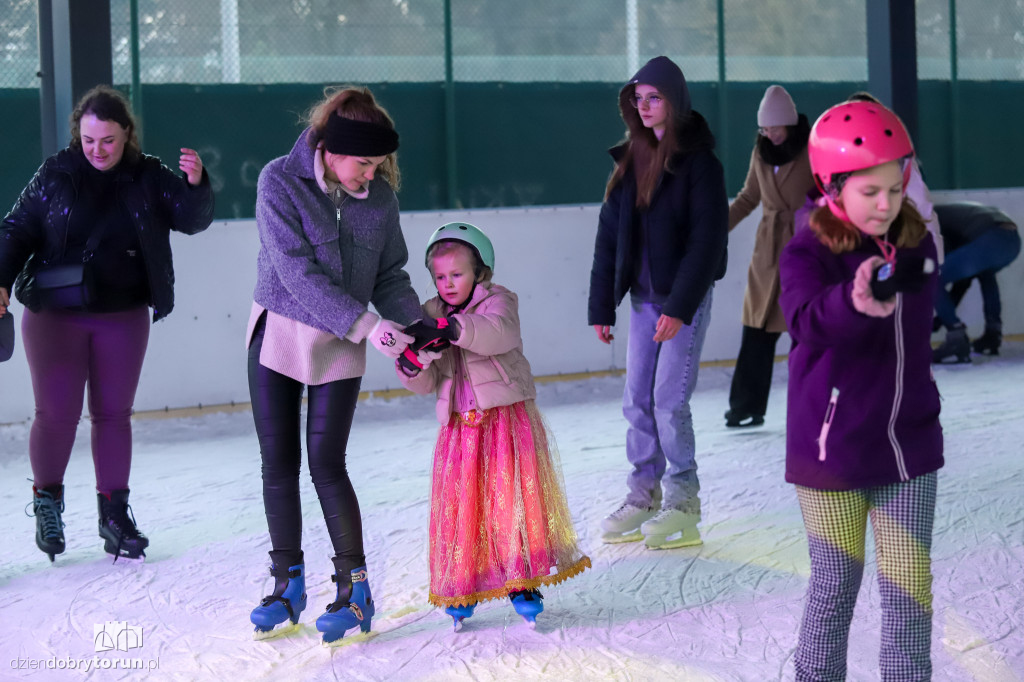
<point x="653" y="101"/>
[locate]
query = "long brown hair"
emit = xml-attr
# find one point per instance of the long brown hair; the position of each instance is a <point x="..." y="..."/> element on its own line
<point x="106" y="104"/>
<point x="840" y="236"/>
<point x="357" y="103"/>
<point x="644" y="152"/>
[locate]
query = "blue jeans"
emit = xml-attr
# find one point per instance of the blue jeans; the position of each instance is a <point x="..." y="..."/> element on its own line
<point x="660" y="378"/>
<point x="989" y="253"/>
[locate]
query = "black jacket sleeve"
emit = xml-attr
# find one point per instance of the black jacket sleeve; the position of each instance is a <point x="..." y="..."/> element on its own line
<point x="21" y="232"/>
<point x="705" y="251"/>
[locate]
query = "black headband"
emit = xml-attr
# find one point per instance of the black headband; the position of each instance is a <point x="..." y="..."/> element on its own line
<point x="358" y="138"/>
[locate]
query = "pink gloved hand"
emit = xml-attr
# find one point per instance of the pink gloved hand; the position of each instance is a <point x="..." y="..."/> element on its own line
<point x="388" y="338"/>
<point x="863" y="301"/>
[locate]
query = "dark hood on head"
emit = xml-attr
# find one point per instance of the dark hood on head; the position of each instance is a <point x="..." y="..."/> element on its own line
<point x="667" y="77"/>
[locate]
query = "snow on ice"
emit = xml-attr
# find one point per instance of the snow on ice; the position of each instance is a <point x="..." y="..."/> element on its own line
<point x="727" y="610"/>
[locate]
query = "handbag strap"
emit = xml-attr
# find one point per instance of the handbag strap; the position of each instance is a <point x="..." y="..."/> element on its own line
<point x="95" y="237"/>
<point x="94" y="240"/>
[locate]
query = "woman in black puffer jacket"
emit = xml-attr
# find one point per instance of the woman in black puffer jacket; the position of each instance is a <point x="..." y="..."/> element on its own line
<point x="661" y="238"/>
<point x="87" y="249"/>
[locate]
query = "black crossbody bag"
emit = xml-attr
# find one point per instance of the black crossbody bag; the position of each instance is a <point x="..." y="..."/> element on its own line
<point x="72" y="285"/>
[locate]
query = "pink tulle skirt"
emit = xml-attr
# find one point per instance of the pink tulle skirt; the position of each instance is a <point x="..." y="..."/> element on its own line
<point x="499" y="521"/>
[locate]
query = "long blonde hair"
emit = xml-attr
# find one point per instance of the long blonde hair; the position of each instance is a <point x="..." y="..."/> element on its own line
<point x="357" y="103"/>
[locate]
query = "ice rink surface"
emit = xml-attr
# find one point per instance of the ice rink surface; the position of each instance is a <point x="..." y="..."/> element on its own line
<point x="727" y="610"/>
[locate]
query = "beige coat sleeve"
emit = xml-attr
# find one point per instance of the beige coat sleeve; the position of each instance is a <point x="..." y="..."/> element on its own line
<point x="749" y="197"/>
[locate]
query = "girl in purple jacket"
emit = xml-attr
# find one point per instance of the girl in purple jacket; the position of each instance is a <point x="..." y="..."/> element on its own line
<point x="863" y="436"/>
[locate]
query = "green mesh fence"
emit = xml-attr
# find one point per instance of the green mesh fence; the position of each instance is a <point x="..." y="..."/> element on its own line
<point x="19" y="44"/>
<point x="376" y="41"/>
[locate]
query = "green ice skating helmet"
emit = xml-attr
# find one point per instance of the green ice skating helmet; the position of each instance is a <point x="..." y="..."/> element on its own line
<point x="467" y="234"/>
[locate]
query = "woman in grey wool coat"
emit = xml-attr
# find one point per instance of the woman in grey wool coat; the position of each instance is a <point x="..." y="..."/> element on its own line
<point x="330" y="244"/>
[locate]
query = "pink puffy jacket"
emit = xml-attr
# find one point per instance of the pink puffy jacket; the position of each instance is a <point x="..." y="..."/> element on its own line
<point x="490" y="346"/>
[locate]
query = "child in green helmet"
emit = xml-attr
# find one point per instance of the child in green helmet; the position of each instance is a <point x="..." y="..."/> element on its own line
<point x="499" y="521"/>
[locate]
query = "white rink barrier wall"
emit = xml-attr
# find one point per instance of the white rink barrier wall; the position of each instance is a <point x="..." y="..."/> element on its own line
<point x="197" y="355"/>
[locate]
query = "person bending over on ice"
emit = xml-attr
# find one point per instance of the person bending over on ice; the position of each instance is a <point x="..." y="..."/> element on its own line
<point x="330" y="244"/>
<point x="980" y="241"/>
<point x="499" y="521"/>
<point x="863" y="439"/>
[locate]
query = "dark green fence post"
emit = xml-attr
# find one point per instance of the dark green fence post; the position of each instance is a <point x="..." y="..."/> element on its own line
<point x="449" y="110"/>
<point x="723" y="122"/>
<point x="954" y="100"/>
<point x="136" y="89"/>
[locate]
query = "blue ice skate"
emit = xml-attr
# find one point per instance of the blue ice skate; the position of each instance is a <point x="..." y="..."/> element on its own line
<point x="459" y="614"/>
<point x="353" y="606"/>
<point x="528" y="604"/>
<point x="287" y="601"/>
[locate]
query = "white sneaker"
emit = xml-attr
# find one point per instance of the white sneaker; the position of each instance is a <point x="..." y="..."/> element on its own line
<point x="671" y="528"/>
<point x="623" y="524"/>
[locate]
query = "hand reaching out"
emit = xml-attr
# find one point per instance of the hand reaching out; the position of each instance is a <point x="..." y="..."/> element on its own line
<point x="191" y="165"/>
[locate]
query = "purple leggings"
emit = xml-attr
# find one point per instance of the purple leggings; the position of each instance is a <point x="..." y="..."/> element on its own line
<point x="66" y="351"/>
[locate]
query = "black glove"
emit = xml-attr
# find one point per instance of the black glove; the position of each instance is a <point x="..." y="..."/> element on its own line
<point x="414" y="363"/>
<point x="428" y="335"/>
<point x="907" y="274"/>
<point x="432" y="334"/>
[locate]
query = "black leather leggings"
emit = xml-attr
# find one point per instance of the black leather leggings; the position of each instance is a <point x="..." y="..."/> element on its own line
<point x="276" y="410"/>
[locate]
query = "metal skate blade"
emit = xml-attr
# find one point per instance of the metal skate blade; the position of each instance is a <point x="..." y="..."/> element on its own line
<point x="458" y="624"/>
<point x="285" y="628"/>
<point x="616" y="538"/>
<point x="663" y="542"/>
<point x="353" y="639"/>
<point x="122" y="559"/>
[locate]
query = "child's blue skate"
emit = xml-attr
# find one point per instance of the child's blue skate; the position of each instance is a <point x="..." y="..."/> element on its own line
<point x="459" y="614"/>
<point x="285" y="604"/>
<point x="528" y="604"/>
<point x="353" y="606"/>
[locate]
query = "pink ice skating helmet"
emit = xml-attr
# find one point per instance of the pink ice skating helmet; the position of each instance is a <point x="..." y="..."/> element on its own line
<point x="853" y="136"/>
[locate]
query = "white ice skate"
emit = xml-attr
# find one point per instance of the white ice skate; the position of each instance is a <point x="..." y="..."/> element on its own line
<point x="623" y="524"/>
<point x="671" y="528"/>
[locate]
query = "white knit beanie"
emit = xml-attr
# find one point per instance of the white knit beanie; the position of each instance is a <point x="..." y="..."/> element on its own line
<point x="777" y="108"/>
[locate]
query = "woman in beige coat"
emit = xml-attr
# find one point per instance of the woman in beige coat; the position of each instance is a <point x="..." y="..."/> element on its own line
<point x="779" y="179"/>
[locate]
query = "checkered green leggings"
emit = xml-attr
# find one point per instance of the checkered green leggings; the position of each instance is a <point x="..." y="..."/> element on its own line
<point x="902" y="515"/>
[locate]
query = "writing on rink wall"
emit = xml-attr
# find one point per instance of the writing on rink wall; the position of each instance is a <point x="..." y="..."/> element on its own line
<point x="197" y="355"/>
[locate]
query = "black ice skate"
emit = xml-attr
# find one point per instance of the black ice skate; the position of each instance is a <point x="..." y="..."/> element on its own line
<point x="956" y="348"/>
<point x="117" y="527"/>
<point x="47" y="507"/>
<point x="989" y="342"/>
